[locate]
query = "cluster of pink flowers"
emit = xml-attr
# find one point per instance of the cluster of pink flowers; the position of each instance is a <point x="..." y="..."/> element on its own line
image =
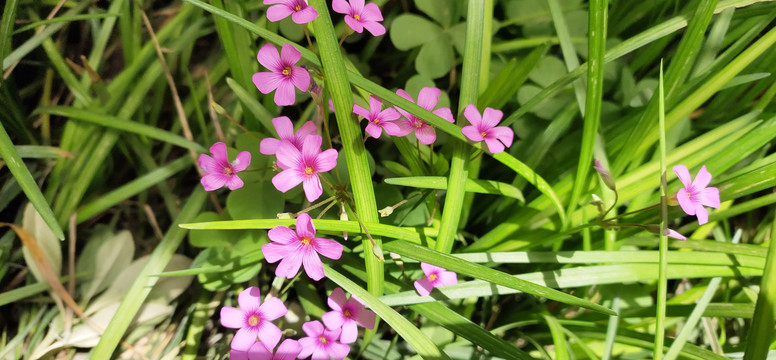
<point x="357" y="15"/>
<point x="258" y="335"/>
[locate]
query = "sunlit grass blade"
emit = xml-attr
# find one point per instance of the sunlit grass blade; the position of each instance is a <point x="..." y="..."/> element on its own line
<point x="692" y="321"/>
<point x="471" y="185"/>
<point x="662" y="284"/>
<point x="40" y="152"/>
<point x="414" y="336"/>
<point x="27" y="183"/>
<point x="761" y="334"/>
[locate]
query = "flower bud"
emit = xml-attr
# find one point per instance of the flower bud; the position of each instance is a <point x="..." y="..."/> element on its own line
<point x="606" y="176"/>
<point x="672" y="200"/>
<point x="387" y="211"/>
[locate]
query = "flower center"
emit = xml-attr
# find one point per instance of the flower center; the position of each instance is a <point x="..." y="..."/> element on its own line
<point x="254" y="320"/>
<point x="418" y="123"/>
<point x="306" y="240"/>
<point x="356" y="17"/>
<point x="309" y="170"/>
<point x="376" y="121"/>
<point x="298" y="7"/>
<point x="483" y="134"/>
<point x="346" y="313"/>
<point x="228" y="171"/>
<point x="286" y="70"/>
<point x="689" y="195"/>
<point x="323" y="339"/>
<point x="432" y="277"/>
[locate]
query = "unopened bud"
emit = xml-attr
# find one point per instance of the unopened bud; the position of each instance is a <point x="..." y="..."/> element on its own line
<point x="672" y="200"/>
<point x="596" y="200"/>
<point x="378" y="251"/>
<point x="655" y="229"/>
<point x="220" y="110"/>
<point x="606" y="176"/>
<point x="285" y="215"/>
<point x="343" y="217"/>
<point x="387" y="211"/>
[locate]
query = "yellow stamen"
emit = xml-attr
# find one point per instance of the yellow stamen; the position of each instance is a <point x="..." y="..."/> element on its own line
<point x="298" y="7"/>
<point x="306" y="240"/>
<point x="376" y="121"/>
<point x="483" y="134"/>
<point x="323" y="339"/>
<point x="286" y="71"/>
<point x="346" y="313"/>
<point x="253" y="320"/>
<point x="356" y="17"/>
<point x="228" y="171"/>
<point x="432" y="277"/>
<point x="309" y="170"/>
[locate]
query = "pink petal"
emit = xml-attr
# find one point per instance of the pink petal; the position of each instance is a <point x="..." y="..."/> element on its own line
<point x="333" y="319"/>
<point x="375" y="28"/>
<point x="279" y="12"/>
<point x="312" y="265"/>
<point x="234" y="182"/>
<point x="313" y="329"/>
<point x="266" y="82"/>
<point x="444" y="113"/>
<point x="389" y="114"/>
<point x="390" y="128"/>
<point x="366" y="318"/>
<point x="423" y="287"/>
<point x="249" y="299"/>
<point x="504" y="134"/>
<point x="268" y="55"/>
<point x="361" y="111"/>
<point x="307" y="129"/>
<point x="428" y="97"/>
<point x="311" y="148"/>
<point x="684" y="201"/>
<point x="684" y="175"/>
<point x="238" y="355"/>
<point x="702" y="179"/>
<point x="375" y="104"/>
<point x="283" y="127"/>
<point x="710" y="197"/>
<point x="269" y="334"/>
<point x="289" y="54"/>
<point x="288" y="350"/>
<point x="371" y="13"/>
<point x="305" y="226"/>
<point x="258" y="352"/>
<point x="287" y="179"/>
<point x="472" y="133"/>
<point x="404" y="94"/>
<point x="284" y="95"/>
<point x="312" y="188"/>
<point x="357" y="6"/>
<point x="702" y="213"/>
<point x="290" y="156"/>
<point x="328" y="248"/>
<point x="274" y="252"/>
<point x="354" y="24"/>
<point x="336" y="300"/>
<point x="219" y="153"/>
<point x="491" y="117"/>
<point x="349" y="332"/>
<point x="269" y="146"/>
<point x="338" y="351"/>
<point x="320" y="354"/>
<point x="309" y="344"/>
<point x="447" y="278"/>
<point x="244" y="339"/>
<point x="425" y="135"/>
<point x="341" y="6"/>
<point x="326" y="160"/>
<point x="675" y="235"/>
<point x="429" y="269"/>
<point x="232" y="318"/>
<point x="473" y="116"/>
<point x="300" y="78"/>
<point x="374" y="130"/>
<point x="494" y="146"/>
<point x="283" y="235"/>
<point x="273" y="308"/>
<point x="210" y="165"/>
<point x="242" y="161"/>
<point x="289" y="266"/>
<point x="404" y="128"/>
<point x="305" y="15"/>
<point x="213" y="181"/>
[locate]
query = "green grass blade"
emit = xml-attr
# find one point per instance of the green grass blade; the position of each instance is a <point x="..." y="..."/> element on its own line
<point x="761" y="333"/>
<point x="567" y="48"/>
<point x="558" y="338"/>
<point x="597" y="18"/>
<point x="495" y="277"/>
<point x="254" y="106"/>
<point x="662" y="284"/>
<point x="60" y="19"/>
<point x="27" y="183"/>
<point x="6" y="26"/>
<point x="470" y="83"/>
<point x="141" y="287"/>
<point x="611" y="329"/>
<point x="355" y="155"/>
<point x="504" y="86"/>
<point x="692" y="321"/>
<point x="414" y="336"/>
<point x="112" y="122"/>
<point x="40" y="152"/>
<point x="472" y="185"/>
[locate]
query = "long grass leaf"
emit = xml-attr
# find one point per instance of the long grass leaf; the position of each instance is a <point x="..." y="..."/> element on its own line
<point x="761" y="334"/>
<point x="472" y="185"/>
<point x="692" y="321"/>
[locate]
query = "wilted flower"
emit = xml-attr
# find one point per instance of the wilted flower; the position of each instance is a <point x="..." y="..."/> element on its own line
<point x="606" y="176"/>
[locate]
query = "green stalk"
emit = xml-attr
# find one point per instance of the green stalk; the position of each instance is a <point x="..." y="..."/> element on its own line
<point x="459" y="172"/>
<point x="338" y="87"/>
<point x="662" y="283"/>
<point x="597" y="16"/>
<point x="761" y="333"/>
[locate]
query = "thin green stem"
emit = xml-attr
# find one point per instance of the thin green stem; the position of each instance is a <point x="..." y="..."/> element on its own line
<point x="662" y="284"/>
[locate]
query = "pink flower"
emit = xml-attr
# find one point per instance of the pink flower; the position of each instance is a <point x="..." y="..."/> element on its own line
<point x="285" y="130"/>
<point x="347" y="313"/>
<point x="219" y="171"/>
<point x="675" y="235"/>
<point x="303" y="167"/>
<point x="694" y="195"/>
<point x="288" y="350"/>
<point x="435" y="277"/>
<point x="378" y="120"/>
<point x="283" y="75"/>
<point x="297" y="247"/>
<point x="300" y="12"/>
<point x="427" y="99"/>
<point x="253" y="319"/>
<point x="606" y="176"/>
<point x="322" y="343"/>
<point x="358" y="16"/>
<point x="484" y="128"/>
